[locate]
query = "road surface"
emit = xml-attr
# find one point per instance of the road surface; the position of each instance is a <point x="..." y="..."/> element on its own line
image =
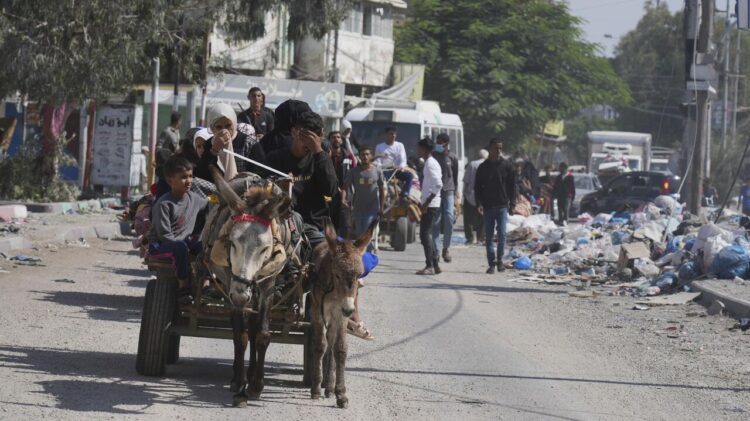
<point x="460" y="345"/>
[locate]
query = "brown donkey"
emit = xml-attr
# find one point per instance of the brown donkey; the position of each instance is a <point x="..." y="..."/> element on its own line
<point x="339" y="265"/>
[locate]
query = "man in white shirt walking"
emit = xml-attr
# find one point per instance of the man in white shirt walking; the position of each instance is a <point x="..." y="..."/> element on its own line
<point x="395" y="152"/>
<point x="432" y="184"/>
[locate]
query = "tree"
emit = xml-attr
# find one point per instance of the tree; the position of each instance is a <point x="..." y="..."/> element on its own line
<point x="506" y="66"/>
<point x="67" y="51"/>
<point x="62" y="52"/>
<point x="651" y="60"/>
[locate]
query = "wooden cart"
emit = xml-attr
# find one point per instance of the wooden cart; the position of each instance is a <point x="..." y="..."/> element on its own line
<point x="163" y="323"/>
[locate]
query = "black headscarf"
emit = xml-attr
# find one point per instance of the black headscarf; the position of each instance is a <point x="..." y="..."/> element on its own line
<point x="286" y="114"/>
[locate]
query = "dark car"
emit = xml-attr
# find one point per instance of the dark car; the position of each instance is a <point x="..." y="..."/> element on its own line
<point x="629" y="191"/>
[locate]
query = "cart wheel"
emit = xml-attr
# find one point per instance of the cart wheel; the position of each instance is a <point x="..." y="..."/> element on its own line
<point x="307" y="361"/>
<point x="411" y="233"/>
<point x="399" y="234"/>
<point x="158" y="311"/>
<point x="173" y="349"/>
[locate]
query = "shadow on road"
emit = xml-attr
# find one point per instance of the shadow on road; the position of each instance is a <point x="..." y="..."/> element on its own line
<point x="110" y="307"/>
<point x="107" y="382"/>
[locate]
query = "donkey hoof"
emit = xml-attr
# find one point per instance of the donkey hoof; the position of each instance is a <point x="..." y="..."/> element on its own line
<point x="343" y="402"/>
<point x="253" y="395"/>
<point x="234" y="387"/>
<point x="239" y="400"/>
<point x="329" y="393"/>
<point x="315" y="395"/>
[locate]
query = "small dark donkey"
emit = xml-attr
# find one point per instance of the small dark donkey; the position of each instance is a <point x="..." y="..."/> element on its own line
<point x="339" y="265"/>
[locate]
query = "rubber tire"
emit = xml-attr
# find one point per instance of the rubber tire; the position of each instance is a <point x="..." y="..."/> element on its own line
<point x="173" y="349"/>
<point x="412" y="233"/>
<point x="158" y="311"/>
<point x="307" y="358"/>
<point x="400" y="233"/>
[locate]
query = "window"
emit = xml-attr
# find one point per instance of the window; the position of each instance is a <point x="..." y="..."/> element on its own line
<point x="353" y="22"/>
<point x="377" y="20"/>
<point x="620" y="185"/>
<point x="367" y="20"/>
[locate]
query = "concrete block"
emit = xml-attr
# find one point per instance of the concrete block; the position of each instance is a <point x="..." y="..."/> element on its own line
<point x="73" y="234"/>
<point x="14" y="243"/>
<point x="10" y="212"/>
<point x="110" y="230"/>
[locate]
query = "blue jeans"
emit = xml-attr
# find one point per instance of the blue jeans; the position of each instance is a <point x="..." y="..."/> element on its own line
<point x="179" y="252"/>
<point x="447" y="219"/>
<point x="495" y="217"/>
<point x="406" y="178"/>
<point x="361" y="222"/>
<point x="427" y="224"/>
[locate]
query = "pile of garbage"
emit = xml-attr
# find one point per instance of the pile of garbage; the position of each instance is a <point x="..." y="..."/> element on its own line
<point x="656" y="249"/>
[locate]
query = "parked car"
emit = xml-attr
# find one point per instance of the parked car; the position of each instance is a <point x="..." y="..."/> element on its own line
<point x="629" y="191"/>
<point x="585" y="183"/>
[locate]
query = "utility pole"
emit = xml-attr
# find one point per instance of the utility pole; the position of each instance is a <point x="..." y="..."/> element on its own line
<point x="727" y="41"/>
<point x="703" y="47"/>
<point x="153" y="121"/>
<point x="737" y="52"/>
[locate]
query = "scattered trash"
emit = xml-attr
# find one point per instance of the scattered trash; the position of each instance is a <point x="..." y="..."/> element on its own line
<point x="25" y="258"/>
<point x="744" y="324"/>
<point x="679" y="298"/>
<point x="583" y="294"/>
<point x="81" y="242"/>
<point x="640" y="307"/>
<point x="523" y="263"/>
<point x="65" y="281"/>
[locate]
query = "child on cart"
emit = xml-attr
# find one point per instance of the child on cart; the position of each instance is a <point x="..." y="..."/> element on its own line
<point x="174" y="234"/>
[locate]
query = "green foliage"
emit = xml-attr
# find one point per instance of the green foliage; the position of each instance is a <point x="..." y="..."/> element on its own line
<point x="506" y="66"/>
<point x="25" y="178"/>
<point x="67" y="51"/>
<point x="651" y="60"/>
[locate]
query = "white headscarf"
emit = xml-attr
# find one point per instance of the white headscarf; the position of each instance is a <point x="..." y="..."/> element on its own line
<point x="203" y="133"/>
<point x="226" y="161"/>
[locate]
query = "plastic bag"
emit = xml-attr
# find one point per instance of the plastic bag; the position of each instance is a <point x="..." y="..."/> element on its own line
<point x="523" y="263"/>
<point x="689" y="271"/>
<point x="665" y="281"/>
<point x="619" y="237"/>
<point x="731" y="262"/>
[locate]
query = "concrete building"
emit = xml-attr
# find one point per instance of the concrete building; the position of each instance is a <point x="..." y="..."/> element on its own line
<point x="359" y="54"/>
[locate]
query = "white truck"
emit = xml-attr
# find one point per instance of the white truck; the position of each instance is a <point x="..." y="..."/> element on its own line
<point x="615" y="152"/>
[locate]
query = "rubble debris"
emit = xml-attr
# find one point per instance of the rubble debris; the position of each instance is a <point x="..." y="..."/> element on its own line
<point x="716" y="308"/>
<point x="679" y="298"/>
<point x="64" y="281"/>
<point x="640" y="307"/>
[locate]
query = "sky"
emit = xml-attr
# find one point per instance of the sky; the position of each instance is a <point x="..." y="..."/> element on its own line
<point x="603" y="18"/>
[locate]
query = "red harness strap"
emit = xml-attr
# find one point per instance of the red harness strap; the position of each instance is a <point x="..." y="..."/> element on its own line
<point x="246" y="217"/>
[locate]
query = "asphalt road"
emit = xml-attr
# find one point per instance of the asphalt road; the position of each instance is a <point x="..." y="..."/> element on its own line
<point x="460" y="345"/>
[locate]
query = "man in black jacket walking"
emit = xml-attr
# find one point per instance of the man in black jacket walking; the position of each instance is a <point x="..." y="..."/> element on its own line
<point x="258" y="116"/>
<point x="495" y="191"/>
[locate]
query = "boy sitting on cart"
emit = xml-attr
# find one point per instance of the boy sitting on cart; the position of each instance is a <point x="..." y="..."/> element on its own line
<point x="174" y="234"/>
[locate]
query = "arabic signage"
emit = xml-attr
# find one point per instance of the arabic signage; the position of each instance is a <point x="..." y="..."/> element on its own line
<point x="326" y="99"/>
<point x="117" y="135"/>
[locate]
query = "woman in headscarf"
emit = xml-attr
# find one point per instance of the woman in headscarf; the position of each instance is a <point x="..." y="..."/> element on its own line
<point x="226" y="137"/>
<point x="199" y="141"/>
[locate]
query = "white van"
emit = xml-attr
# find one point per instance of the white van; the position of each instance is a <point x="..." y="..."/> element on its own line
<point x="413" y="121"/>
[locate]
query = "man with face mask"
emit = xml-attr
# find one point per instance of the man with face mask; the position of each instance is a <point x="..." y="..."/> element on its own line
<point x="449" y="167"/>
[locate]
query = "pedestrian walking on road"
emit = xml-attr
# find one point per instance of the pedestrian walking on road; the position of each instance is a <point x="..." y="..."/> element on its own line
<point x="449" y="170"/>
<point x="495" y="191"/>
<point x="170" y="136"/>
<point x="473" y="221"/>
<point x="368" y="188"/>
<point x="432" y="185"/>
<point x="564" y="190"/>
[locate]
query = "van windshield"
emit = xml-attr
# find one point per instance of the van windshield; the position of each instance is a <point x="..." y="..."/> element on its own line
<point x="373" y="132"/>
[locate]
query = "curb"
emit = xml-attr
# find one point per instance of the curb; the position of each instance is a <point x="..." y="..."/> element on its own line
<point x="68" y="207"/>
<point x="71" y="234"/>
<point x="736" y="307"/>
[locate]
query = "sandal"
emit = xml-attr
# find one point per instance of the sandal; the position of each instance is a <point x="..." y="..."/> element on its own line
<point x="360" y="331"/>
<point x="184" y="297"/>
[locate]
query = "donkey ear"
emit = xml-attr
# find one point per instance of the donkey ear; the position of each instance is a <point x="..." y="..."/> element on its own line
<point x="363" y="241"/>
<point x="330" y="233"/>
<point x="225" y="191"/>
